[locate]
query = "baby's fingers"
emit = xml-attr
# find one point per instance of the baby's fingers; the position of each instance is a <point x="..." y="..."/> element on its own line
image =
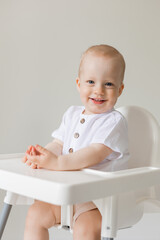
<point x="28" y="163"/>
<point x="33" y="166"/>
<point x="29" y="150"/>
<point x="33" y="153"/>
<point x="24" y="159"/>
<point x="33" y="159"/>
<point x="41" y="150"/>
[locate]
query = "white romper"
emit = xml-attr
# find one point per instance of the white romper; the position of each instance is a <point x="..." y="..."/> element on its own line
<point x="78" y="130"/>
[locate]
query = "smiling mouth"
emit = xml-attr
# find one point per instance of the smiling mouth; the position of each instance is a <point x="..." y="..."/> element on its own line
<point x="97" y="100"/>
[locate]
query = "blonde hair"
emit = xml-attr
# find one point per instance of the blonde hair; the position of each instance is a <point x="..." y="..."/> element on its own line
<point x="106" y="51"/>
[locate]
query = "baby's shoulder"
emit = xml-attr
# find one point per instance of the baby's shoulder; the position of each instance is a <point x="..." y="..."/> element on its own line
<point x="73" y="111"/>
<point x="113" y="117"/>
<point x="117" y="116"/>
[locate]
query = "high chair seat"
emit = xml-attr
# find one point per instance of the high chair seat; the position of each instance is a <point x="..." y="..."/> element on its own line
<point x="119" y="195"/>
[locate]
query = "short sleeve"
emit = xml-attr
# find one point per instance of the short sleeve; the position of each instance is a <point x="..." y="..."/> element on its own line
<point x="60" y="132"/>
<point x="114" y="134"/>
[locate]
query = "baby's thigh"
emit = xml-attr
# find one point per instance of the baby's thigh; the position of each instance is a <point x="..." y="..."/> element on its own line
<point x="46" y="214"/>
<point x="88" y="225"/>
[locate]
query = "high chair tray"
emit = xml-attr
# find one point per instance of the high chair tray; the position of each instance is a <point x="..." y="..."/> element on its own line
<point x="69" y="187"/>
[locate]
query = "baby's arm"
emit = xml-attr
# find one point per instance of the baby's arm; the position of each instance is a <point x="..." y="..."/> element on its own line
<point x="85" y="157"/>
<point x="80" y="159"/>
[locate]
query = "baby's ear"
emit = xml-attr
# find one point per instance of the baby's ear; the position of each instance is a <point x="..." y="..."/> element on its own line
<point x="78" y="83"/>
<point x="121" y="89"/>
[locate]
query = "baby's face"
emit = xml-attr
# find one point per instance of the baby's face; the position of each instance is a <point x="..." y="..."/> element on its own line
<point x="99" y="83"/>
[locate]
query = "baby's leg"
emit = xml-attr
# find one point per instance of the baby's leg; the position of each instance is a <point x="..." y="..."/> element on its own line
<point x="41" y="216"/>
<point x="88" y="226"/>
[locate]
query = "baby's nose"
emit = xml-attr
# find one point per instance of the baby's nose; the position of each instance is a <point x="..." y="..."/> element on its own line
<point x="99" y="90"/>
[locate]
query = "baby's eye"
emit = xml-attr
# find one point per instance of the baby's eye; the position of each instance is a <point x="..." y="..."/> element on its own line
<point x="109" y="84"/>
<point x="90" y="81"/>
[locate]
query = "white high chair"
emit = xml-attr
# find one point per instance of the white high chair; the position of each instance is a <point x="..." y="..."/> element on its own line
<point x="120" y="195"/>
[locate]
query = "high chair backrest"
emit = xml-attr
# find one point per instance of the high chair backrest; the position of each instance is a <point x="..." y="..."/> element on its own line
<point x="144" y="137"/>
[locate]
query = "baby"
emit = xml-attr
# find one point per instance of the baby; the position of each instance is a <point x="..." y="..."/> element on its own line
<point x="90" y="136"/>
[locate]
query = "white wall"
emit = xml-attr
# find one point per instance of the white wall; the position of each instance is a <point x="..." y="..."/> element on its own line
<point x="40" y="46"/>
<point x="41" y="42"/>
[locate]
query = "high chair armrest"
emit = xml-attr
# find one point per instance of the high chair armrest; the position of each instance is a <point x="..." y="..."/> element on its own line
<point x="129" y="179"/>
<point x="126" y="172"/>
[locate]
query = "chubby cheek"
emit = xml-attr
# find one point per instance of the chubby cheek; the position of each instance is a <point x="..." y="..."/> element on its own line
<point x="113" y="96"/>
<point x="85" y="93"/>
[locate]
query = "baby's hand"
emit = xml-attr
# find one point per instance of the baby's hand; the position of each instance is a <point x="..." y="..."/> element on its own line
<point x="33" y="152"/>
<point x="44" y="158"/>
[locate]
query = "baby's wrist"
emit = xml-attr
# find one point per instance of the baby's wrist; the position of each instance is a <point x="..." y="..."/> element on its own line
<point x="52" y="164"/>
<point x="59" y="163"/>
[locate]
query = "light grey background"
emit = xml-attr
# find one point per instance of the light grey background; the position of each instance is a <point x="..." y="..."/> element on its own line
<point x="41" y="42"/>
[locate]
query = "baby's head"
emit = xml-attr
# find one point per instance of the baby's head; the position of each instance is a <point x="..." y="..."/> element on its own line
<point x="100" y="78"/>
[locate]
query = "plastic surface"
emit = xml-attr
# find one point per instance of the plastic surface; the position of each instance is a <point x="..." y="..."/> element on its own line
<point x="69" y="187"/>
<point x="144" y="137"/>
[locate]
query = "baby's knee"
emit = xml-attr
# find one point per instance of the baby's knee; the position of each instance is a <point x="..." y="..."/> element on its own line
<point x="84" y="229"/>
<point x="80" y="231"/>
<point x="41" y="214"/>
<point x="34" y="213"/>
